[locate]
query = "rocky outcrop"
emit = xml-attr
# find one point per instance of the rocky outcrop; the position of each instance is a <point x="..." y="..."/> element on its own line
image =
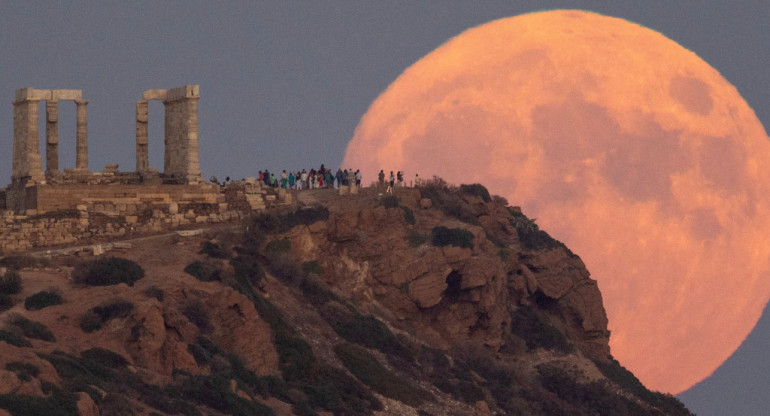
<point x="494" y="319"/>
<point x="464" y="294"/>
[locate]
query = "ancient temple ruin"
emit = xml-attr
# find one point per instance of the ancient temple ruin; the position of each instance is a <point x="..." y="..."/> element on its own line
<point x="33" y="189"/>
<point x="181" y="132"/>
<point x="27" y="166"/>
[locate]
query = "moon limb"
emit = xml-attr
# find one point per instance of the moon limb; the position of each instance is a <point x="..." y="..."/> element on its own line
<point x="595" y="123"/>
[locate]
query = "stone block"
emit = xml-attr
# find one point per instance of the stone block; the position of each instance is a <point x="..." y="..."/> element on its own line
<point x="173" y="208"/>
<point x="186" y="91"/>
<point x="81" y="208"/>
<point x="30" y="212"/>
<point x="155" y="95"/>
<point x="189" y="233"/>
<point x="131" y="219"/>
<point x="201" y="219"/>
<point x="344" y="190"/>
<point x="67" y="95"/>
<point x="31" y="94"/>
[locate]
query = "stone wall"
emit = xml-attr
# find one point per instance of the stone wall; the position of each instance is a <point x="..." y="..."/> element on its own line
<point x="98" y="222"/>
<point x="82" y="214"/>
<point x="121" y="197"/>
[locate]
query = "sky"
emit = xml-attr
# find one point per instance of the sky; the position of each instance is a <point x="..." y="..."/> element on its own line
<point x="284" y="83"/>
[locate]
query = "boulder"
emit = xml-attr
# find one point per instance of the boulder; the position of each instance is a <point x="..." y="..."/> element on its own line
<point x="9" y="382"/>
<point x="427" y="290"/>
<point x="86" y="405"/>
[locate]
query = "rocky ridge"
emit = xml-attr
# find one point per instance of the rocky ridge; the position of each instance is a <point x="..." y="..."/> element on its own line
<point x="439" y="300"/>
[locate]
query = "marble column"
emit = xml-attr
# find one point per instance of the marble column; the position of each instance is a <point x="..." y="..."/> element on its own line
<point x="52" y="136"/>
<point x="142" y="139"/>
<point x="81" y="157"/>
<point x="181" y="134"/>
<point x="26" y="149"/>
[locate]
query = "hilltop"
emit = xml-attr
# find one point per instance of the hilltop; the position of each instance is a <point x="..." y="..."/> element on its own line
<point x="437" y="300"/>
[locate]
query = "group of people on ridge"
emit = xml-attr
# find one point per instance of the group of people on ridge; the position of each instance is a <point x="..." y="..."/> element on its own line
<point x="395" y="180"/>
<point x="312" y="179"/>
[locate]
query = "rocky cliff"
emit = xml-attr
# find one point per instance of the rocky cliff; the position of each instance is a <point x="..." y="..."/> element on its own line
<point x="433" y="301"/>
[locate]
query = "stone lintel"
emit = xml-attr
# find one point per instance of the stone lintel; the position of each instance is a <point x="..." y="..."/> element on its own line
<point x="31" y="94"/>
<point x="154" y="95"/>
<point x="186" y="91"/>
<point x="67" y="95"/>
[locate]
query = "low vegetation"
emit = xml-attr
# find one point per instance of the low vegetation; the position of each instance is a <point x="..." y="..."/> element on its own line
<point x="247" y="269"/>
<point x="389" y="201"/>
<point x="105" y="357"/>
<point x="530" y="325"/>
<point x="669" y="404"/>
<point x="416" y="238"/>
<point x="368" y="369"/>
<point x="24" y="371"/>
<point x="280" y="223"/>
<point x="154" y="292"/>
<point x="196" y="312"/>
<point x="57" y="402"/>
<point x="20" y="261"/>
<point x="10" y="283"/>
<point x="14" y="338"/>
<point x="282" y="245"/>
<point x="43" y="299"/>
<point x="31" y="329"/>
<point x="96" y="317"/>
<point x="312" y="267"/>
<point x="477" y="190"/>
<point x="408" y="215"/>
<point x="213" y="250"/>
<point x="107" y="271"/>
<point x="6" y="302"/>
<point x="453" y="201"/>
<point x="531" y="236"/>
<point x="442" y="236"/>
<point x="203" y="271"/>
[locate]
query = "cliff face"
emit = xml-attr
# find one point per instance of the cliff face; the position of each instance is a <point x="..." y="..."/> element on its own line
<point x="450" y="294"/>
<point x="435" y="301"/>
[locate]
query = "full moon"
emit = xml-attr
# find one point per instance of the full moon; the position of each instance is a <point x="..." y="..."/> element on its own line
<point x="624" y="145"/>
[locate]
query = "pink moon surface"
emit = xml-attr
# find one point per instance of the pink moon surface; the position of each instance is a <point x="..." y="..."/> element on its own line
<point x="624" y="145"/>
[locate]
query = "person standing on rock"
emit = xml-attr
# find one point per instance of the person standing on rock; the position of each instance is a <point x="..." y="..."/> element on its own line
<point x="328" y="178"/>
<point x="338" y="177"/>
<point x="417" y="180"/>
<point x="392" y="181"/>
<point x="358" y="178"/>
<point x="381" y="178"/>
